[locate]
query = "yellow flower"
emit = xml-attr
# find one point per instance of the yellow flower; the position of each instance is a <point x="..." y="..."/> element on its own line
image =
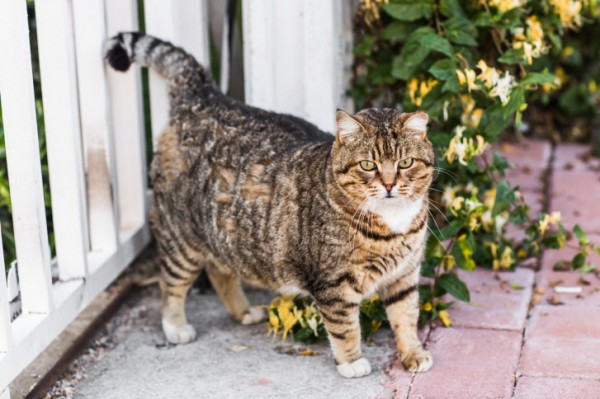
<point x="467" y="77"/>
<point x="592" y="86"/>
<point x="522" y="253"/>
<point x="489" y="75"/>
<point x="505" y="5"/>
<point x="273" y="322"/>
<point x="427" y="307"/>
<point x="445" y="318"/>
<point x="569" y="12"/>
<point x="418" y="90"/>
<point x="534" y="29"/>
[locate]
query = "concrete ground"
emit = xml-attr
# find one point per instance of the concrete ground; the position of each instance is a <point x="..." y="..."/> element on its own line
<point x="518" y="338"/>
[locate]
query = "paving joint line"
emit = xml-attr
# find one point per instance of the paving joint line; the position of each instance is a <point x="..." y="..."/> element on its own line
<point x="546" y="191"/>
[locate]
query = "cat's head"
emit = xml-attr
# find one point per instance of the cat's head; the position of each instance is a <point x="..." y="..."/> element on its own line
<point x="383" y="154"/>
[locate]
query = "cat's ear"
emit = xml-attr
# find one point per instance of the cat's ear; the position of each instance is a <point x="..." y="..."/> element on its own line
<point x="417" y="122"/>
<point x="348" y="128"/>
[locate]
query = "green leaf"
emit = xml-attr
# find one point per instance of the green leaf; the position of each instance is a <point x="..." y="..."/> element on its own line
<point x="515" y="102"/>
<point x="537" y="78"/>
<point x="504" y="198"/>
<point x="581" y="236"/>
<point x="397" y="30"/>
<point x="448" y="231"/>
<point x="512" y="56"/>
<point x="483" y="19"/>
<point x="460" y="30"/>
<point x="412" y="55"/>
<point x="409" y="12"/>
<point x="578" y="260"/>
<point x="463" y="252"/>
<point x="452" y="284"/>
<point x="451" y="8"/>
<point x="437" y="43"/>
<point x="443" y="69"/>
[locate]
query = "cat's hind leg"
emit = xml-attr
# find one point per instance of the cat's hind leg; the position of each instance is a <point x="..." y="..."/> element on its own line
<point x="175" y="283"/>
<point x="229" y="288"/>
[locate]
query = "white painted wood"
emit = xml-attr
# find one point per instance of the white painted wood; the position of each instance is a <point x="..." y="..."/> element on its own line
<point x="63" y="136"/>
<point x="96" y="126"/>
<point x="5" y="394"/>
<point x="6" y="336"/>
<point x="258" y="45"/>
<point x="22" y="149"/>
<point x="128" y="122"/>
<point x="185" y="24"/>
<point x="34" y="332"/>
<point x="302" y="69"/>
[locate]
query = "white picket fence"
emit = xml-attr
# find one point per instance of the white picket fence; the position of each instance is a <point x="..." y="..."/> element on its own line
<point x="296" y="61"/>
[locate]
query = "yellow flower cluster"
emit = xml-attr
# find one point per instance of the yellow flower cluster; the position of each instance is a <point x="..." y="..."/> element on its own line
<point x="498" y="85"/>
<point x="417" y="90"/>
<point x="504" y="260"/>
<point x="569" y="12"/>
<point x="547" y="221"/>
<point x="505" y="5"/>
<point x="284" y="315"/>
<point x="480" y="214"/>
<point x="443" y="314"/>
<point x="371" y="10"/>
<point x="532" y="40"/>
<point x="471" y="115"/>
<point x="464" y="148"/>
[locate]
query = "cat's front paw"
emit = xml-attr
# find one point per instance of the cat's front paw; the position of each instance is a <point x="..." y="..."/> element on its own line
<point x="179" y="334"/>
<point x="358" y="368"/>
<point x="254" y="315"/>
<point x="418" y="361"/>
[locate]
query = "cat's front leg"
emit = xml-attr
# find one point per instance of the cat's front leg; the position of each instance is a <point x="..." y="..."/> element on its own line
<point x="402" y="306"/>
<point x="341" y="320"/>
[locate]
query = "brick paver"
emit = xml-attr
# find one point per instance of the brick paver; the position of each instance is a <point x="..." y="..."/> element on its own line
<point x="562" y="341"/>
<point x="556" y="388"/>
<point x="469" y="363"/>
<point x="495" y="303"/>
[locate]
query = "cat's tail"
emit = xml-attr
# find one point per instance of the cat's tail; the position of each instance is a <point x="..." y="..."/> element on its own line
<point x="173" y="63"/>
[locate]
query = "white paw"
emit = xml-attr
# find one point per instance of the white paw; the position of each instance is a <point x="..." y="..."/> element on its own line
<point x="418" y="361"/>
<point x="254" y="315"/>
<point x="179" y="334"/>
<point x="358" y="368"/>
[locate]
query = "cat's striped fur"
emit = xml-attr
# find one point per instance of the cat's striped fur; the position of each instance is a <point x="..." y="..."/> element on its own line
<point x="270" y="199"/>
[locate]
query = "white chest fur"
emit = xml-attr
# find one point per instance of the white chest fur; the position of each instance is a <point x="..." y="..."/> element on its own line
<point x="396" y="213"/>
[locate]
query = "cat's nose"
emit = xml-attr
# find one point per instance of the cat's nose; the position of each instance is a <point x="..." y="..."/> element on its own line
<point x="389" y="187"/>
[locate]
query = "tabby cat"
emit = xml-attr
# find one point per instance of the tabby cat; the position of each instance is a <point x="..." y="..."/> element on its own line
<point x="252" y="195"/>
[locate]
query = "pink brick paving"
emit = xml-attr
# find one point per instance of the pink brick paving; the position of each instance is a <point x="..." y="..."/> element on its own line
<point x="499" y="345"/>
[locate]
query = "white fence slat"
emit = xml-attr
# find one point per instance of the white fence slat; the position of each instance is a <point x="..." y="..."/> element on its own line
<point x="185" y="24"/>
<point x="302" y="69"/>
<point x="259" y="65"/>
<point x="6" y="338"/>
<point x="23" y="158"/>
<point x="326" y="74"/>
<point x="128" y="122"/>
<point x="63" y="136"/>
<point x="94" y="109"/>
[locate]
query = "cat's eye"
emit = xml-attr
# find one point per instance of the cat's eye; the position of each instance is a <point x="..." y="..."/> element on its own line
<point x="405" y="163"/>
<point x="368" y="165"/>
